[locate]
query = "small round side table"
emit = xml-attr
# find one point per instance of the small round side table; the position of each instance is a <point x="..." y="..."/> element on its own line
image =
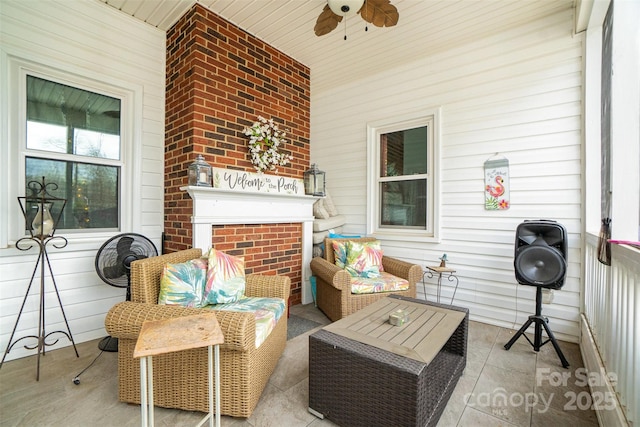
<point x="440" y="271"/>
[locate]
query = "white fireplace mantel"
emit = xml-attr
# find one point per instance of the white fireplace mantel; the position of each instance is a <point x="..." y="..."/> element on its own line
<point x="215" y="206"/>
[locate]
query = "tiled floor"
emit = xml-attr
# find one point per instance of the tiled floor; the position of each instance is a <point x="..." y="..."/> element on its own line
<point x="518" y="387"/>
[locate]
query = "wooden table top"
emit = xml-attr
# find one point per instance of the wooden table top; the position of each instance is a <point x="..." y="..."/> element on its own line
<point x="178" y="333"/>
<point x="421" y="339"/>
<point x="441" y="270"/>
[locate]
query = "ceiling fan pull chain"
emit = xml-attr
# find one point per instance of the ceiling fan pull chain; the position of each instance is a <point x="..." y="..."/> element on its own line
<point x="345" y="28"/>
<point x="366" y="25"/>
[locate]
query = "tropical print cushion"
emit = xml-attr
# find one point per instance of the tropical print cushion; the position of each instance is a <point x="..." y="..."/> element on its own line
<point x="183" y="283"/>
<point x="339" y="252"/>
<point x="267" y="311"/>
<point x="385" y="283"/>
<point x="364" y="259"/>
<point x="225" y="278"/>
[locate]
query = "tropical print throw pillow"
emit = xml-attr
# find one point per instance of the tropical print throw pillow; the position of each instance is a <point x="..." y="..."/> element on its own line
<point x="225" y="278"/>
<point x="183" y="283"/>
<point x="364" y="259"/>
<point x="339" y="252"/>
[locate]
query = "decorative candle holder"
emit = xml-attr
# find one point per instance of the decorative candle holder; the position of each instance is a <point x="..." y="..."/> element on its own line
<point x="314" y="181"/>
<point x="399" y="317"/>
<point x="41" y="226"/>
<point x="200" y="173"/>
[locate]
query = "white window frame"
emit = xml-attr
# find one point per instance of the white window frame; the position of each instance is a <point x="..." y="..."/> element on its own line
<point x="430" y="118"/>
<point x="15" y="146"/>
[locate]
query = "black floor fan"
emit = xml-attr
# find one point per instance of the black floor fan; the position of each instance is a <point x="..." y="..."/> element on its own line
<point x="113" y="265"/>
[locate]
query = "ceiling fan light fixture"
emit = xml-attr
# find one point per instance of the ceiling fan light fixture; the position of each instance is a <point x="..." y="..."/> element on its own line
<point x="380" y="13"/>
<point x="345" y="7"/>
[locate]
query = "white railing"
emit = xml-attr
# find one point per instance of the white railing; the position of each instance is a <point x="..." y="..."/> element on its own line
<point x="612" y="311"/>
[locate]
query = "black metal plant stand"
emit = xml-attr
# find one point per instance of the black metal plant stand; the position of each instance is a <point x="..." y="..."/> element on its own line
<point x="440" y="271"/>
<point x="41" y="230"/>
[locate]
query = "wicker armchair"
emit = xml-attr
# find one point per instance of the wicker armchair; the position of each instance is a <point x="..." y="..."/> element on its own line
<point x="180" y="378"/>
<point x="333" y="284"/>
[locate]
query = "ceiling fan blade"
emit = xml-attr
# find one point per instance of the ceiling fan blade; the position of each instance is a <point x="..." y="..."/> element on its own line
<point x="327" y="22"/>
<point x="380" y="13"/>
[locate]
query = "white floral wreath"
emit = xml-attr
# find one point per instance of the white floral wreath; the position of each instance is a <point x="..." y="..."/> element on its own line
<point x="265" y="139"/>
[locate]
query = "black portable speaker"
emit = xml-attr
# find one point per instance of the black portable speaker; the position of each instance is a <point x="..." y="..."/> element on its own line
<point x="541" y="254"/>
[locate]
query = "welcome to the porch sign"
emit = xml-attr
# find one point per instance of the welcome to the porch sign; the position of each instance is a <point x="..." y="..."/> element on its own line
<point x="232" y="180"/>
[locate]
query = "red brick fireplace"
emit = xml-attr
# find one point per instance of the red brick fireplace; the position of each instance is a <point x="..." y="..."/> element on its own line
<point x="288" y="245"/>
<point x="219" y="80"/>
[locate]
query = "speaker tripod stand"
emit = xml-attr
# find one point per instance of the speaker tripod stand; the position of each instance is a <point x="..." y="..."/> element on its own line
<point x="540" y="322"/>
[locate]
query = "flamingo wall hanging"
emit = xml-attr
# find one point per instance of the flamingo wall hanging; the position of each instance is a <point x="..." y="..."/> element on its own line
<point x="496" y="184"/>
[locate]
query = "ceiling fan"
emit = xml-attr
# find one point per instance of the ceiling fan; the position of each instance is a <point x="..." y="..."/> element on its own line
<point x="380" y="13"/>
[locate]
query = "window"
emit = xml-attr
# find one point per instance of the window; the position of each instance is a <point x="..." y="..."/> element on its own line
<point x="73" y="140"/>
<point x="403" y="177"/>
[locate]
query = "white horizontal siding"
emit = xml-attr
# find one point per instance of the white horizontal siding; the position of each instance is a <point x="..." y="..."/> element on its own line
<point x="517" y="93"/>
<point x="84" y="38"/>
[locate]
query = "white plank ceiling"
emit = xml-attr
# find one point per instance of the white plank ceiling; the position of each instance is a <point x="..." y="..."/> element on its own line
<point x="425" y="27"/>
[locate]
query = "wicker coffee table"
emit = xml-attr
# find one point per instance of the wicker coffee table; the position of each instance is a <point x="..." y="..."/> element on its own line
<point x="364" y="371"/>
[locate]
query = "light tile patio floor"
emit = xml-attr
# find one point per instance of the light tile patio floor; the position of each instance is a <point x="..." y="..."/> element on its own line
<point x="530" y="383"/>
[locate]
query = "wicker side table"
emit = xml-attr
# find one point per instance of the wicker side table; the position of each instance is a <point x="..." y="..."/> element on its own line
<point x="176" y="334"/>
<point x="353" y="383"/>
